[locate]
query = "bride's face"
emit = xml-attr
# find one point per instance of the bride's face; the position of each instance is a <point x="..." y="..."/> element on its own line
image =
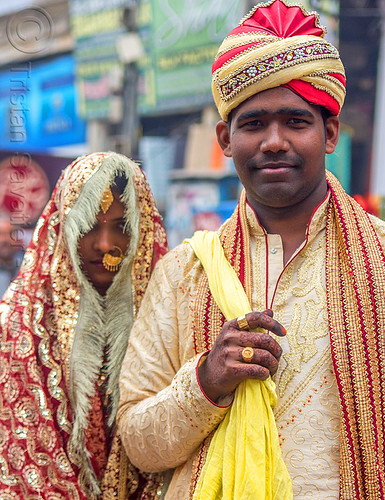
<point x="106" y="237"/>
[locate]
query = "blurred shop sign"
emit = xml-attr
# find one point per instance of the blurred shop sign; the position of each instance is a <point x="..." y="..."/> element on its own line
<point x="95" y="26"/>
<point x="38" y="106"/>
<point x="181" y="38"/>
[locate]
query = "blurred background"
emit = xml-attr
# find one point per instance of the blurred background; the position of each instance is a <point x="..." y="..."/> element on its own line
<point x="134" y="76"/>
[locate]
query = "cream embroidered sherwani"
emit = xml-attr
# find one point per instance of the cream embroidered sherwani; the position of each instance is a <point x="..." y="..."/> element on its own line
<point x="164" y="415"/>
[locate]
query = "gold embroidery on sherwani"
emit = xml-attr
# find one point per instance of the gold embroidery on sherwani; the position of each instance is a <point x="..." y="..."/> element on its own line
<point x="309" y="324"/>
<point x="301" y="387"/>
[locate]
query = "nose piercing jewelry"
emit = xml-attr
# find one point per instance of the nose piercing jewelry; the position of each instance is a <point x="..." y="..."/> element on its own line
<point x="111" y="262"/>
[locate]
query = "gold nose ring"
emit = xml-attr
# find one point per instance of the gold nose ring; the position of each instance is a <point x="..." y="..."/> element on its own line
<point x="111" y="262"/>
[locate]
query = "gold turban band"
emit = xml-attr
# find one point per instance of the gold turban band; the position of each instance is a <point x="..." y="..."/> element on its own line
<point x="252" y="59"/>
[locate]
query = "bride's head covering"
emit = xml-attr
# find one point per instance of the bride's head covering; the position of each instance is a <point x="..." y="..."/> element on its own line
<point x="58" y="333"/>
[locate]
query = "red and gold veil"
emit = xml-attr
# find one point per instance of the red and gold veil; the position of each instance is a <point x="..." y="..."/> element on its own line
<point x="58" y="334"/>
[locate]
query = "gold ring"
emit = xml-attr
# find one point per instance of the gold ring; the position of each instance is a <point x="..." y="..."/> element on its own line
<point x="247" y="354"/>
<point x="243" y="324"/>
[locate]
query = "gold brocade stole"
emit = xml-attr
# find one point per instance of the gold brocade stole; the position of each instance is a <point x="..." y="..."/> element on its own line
<point x="355" y="286"/>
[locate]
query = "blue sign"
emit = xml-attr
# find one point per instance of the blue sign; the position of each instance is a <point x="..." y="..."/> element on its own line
<point x="38" y="106"/>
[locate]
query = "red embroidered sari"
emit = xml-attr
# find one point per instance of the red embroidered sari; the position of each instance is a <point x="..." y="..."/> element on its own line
<point x="58" y="336"/>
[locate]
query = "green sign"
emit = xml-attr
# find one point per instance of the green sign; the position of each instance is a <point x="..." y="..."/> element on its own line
<point x="181" y="38"/>
<point x="95" y="27"/>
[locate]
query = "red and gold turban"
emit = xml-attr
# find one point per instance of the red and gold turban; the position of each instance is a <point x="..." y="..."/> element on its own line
<point x="278" y="44"/>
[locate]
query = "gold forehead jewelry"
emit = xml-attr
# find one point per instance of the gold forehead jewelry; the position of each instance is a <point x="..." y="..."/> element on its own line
<point x="106" y="200"/>
<point x="247" y="354"/>
<point x="112" y="263"/>
<point x="243" y="324"/>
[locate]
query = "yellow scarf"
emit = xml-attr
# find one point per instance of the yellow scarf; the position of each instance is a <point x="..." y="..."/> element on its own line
<point x="244" y="459"/>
